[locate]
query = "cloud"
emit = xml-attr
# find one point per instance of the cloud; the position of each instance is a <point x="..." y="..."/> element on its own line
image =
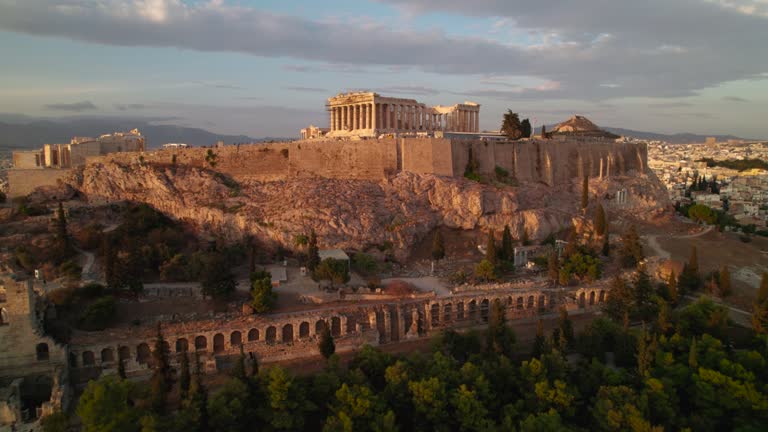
<point x="306" y="89"/>
<point x="654" y="48"/>
<point x="408" y="90"/>
<point x="734" y="99"/>
<point x="670" y="105"/>
<point x="218" y="85"/>
<point x="131" y="107"/>
<point x="73" y="107"/>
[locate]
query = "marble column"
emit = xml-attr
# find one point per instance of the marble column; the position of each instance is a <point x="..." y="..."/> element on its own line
<point x="357" y="117"/>
<point x="364" y="116"/>
<point x="372" y="125"/>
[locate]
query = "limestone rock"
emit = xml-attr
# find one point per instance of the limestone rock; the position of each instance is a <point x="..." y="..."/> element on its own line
<point x="350" y="214"/>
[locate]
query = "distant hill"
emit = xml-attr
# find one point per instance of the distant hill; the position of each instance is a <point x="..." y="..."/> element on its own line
<point x="19" y="132"/>
<point x="678" y="138"/>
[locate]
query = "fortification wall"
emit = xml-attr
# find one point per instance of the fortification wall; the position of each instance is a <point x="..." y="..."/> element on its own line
<point x="427" y="156"/>
<point x="23" y="181"/>
<point x="551" y="161"/>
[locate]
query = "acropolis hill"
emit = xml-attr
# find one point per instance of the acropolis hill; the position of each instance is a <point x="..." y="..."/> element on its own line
<point x="356" y="193"/>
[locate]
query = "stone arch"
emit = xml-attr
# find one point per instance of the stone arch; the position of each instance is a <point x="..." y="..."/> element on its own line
<point x="107" y="355"/>
<point x="434" y="312"/>
<point x="271" y="334"/>
<point x="41" y="351"/>
<point x="582" y="300"/>
<point x="218" y="343"/>
<point x="484" y="308"/>
<point x="88" y="358"/>
<point x="304" y="330"/>
<point x="182" y="345"/>
<point x="601" y="296"/>
<point x="288" y="333"/>
<point x="142" y="353"/>
<point x="319" y="326"/>
<point x="4" y="316"/>
<point x="253" y="335"/>
<point x="123" y="353"/>
<point x="520" y="302"/>
<point x="531" y="301"/>
<point x="448" y="312"/>
<point x="201" y="343"/>
<point x="336" y="326"/>
<point x="591" y="298"/>
<point x="235" y="338"/>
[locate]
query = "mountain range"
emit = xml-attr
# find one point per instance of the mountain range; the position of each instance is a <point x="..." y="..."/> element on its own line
<point x="23" y="132"/>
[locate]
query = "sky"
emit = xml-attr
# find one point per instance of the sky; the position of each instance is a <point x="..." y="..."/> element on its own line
<point x="266" y="67"/>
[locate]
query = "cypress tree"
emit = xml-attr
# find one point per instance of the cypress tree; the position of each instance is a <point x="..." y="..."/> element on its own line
<point x="672" y="288"/>
<point x="184" y="375"/>
<point x="313" y="253"/>
<point x="724" y="281"/>
<point x="326" y="345"/>
<point x="762" y="294"/>
<point x="121" y="368"/>
<point x="553" y="267"/>
<point x="585" y="193"/>
<point x="507" y="250"/>
<point x="693" y="261"/>
<point x="540" y="343"/>
<point x="606" y="249"/>
<point x="239" y="370"/>
<point x="438" y="246"/>
<point x="600" y="220"/>
<point x="63" y="242"/>
<point x="490" y="249"/>
<point x="161" y="376"/>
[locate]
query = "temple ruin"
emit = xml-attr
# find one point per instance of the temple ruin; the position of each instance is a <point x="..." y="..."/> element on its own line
<point x="368" y="114"/>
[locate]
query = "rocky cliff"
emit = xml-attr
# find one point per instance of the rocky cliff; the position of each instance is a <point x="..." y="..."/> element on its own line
<point x="350" y="214"/>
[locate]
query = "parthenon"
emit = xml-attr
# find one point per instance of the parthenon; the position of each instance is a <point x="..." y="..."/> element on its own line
<point x="368" y="114"/>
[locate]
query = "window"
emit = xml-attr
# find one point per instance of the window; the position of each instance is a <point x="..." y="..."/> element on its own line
<point x="42" y="351"/>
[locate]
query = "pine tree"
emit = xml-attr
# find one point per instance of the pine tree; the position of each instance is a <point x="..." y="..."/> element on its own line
<point x="490" y="249"/>
<point x="326" y="345"/>
<point x="631" y="250"/>
<point x="438" y="247"/>
<point x="601" y="224"/>
<point x="724" y="281"/>
<point x="184" y="375"/>
<point x="313" y="253"/>
<point x="619" y="301"/>
<point x="585" y="193"/>
<point x="643" y="301"/>
<point x="500" y="338"/>
<point x="762" y="294"/>
<point x="161" y="375"/>
<point x="507" y="249"/>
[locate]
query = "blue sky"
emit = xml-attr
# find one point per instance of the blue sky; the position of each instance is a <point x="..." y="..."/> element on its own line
<point x="265" y="68"/>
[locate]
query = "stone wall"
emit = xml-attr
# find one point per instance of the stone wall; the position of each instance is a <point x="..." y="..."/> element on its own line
<point x="279" y="337"/>
<point x="551" y="161"/>
<point x="548" y="161"/>
<point x="23" y="181"/>
<point x="23" y="348"/>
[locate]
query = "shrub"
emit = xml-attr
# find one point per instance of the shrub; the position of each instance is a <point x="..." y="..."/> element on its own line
<point x="364" y="264"/>
<point x="91" y="290"/>
<point x="99" y="314"/>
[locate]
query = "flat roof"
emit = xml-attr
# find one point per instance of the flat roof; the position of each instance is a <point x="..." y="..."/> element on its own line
<point x="333" y="253"/>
